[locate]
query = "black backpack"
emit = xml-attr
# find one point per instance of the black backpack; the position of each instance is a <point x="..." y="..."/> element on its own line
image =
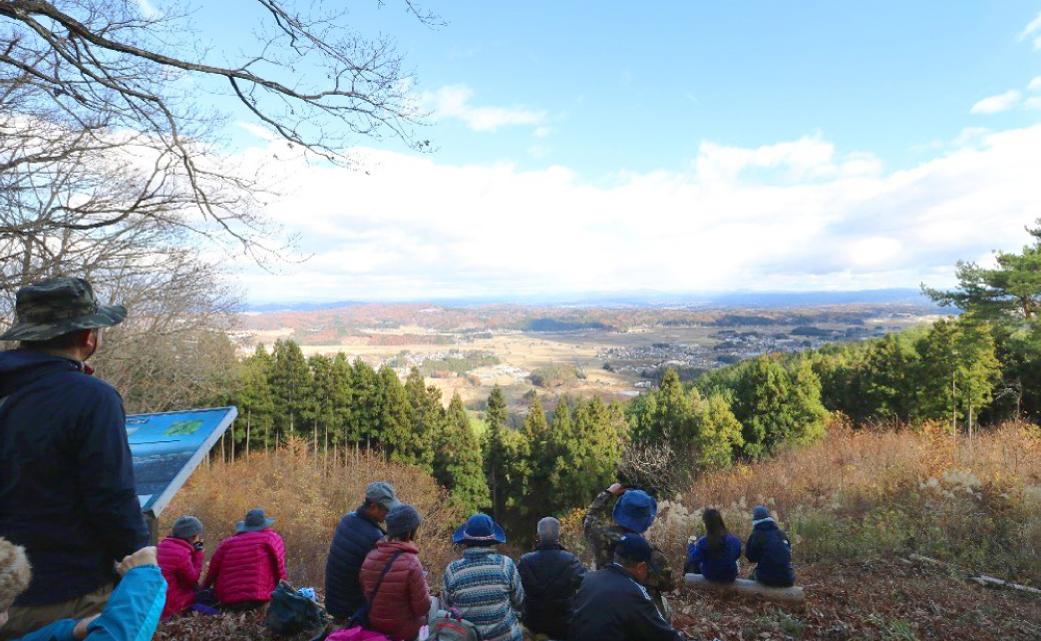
<point x="289" y="612"/>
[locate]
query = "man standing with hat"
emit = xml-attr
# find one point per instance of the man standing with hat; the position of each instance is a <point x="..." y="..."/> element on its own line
<point x="613" y="605"/>
<point x="355" y="537"/>
<point x="633" y="512"/>
<point x="67" y="489"/>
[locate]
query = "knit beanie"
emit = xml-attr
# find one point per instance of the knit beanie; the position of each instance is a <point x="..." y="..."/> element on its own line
<point x="15" y="573"/>
<point x="402" y="520"/>
<point x="760" y="512"/>
<point x="186" y="527"/>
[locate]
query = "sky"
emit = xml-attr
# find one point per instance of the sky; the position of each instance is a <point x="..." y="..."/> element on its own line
<point x="677" y="147"/>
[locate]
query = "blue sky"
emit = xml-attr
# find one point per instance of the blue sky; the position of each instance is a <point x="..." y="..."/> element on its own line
<point x="679" y="147"/>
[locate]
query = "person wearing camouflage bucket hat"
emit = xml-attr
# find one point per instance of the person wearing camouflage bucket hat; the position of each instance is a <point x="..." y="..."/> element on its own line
<point x="59" y="306"/>
<point x="67" y="492"/>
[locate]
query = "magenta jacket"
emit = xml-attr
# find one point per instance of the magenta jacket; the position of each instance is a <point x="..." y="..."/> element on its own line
<point x="247" y="566"/>
<point x="403" y="601"/>
<point x="181" y="564"/>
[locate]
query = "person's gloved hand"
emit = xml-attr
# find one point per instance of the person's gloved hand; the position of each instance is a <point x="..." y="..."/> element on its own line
<point x="199" y="545"/>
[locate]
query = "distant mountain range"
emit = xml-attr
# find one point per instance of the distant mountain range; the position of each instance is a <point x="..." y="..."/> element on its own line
<point x="744" y="299"/>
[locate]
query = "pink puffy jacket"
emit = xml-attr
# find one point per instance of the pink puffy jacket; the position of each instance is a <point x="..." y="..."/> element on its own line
<point x="403" y="601"/>
<point x="181" y="564"/>
<point x="247" y="566"/>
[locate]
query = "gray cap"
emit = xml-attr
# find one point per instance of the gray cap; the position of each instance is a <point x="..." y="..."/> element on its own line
<point x="382" y="493"/>
<point x="59" y="306"/>
<point x="186" y="527"/>
<point x="402" y="520"/>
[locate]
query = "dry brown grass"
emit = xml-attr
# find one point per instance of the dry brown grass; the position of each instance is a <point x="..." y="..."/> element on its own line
<point x="861" y="494"/>
<point x="307" y="496"/>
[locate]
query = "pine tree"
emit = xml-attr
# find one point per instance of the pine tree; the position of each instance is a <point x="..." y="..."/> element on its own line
<point x="291" y="385"/>
<point x="395" y="426"/>
<point x="457" y="460"/>
<point x="496" y="452"/>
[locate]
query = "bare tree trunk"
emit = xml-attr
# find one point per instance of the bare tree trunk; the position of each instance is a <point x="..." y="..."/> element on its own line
<point x="249" y="415"/>
<point x="222" y="438"/>
<point x="325" y="451"/>
<point x="232" y="442"/>
<point x="954" y="407"/>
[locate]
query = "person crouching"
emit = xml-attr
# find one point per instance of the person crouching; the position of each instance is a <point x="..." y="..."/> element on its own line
<point x="181" y="558"/>
<point x="247" y="567"/>
<point x="401" y="602"/>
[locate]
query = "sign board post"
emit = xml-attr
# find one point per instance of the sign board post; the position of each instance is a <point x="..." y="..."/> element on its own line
<point x="167" y="447"/>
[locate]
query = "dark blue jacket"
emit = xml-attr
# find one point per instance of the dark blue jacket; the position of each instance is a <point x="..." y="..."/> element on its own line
<point x="611" y="606"/>
<point x="551" y="576"/>
<point x="722" y="567"/>
<point x="769" y="546"/>
<point x="66" y="475"/>
<point x="355" y="536"/>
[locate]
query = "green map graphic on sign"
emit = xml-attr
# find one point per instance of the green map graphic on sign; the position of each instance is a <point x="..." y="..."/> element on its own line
<point x="183" y="428"/>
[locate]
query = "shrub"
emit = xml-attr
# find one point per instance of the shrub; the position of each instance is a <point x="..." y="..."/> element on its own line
<point x="307" y="495"/>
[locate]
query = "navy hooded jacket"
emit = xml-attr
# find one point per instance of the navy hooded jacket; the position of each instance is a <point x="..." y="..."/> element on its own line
<point x="355" y="537"/>
<point x="66" y="475"/>
<point x="768" y="546"/>
<point x="551" y="576"/>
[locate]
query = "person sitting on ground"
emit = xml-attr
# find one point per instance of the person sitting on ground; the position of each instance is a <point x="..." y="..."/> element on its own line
<point x="484" y="586"/>
<point x="400" y="605"/>
<point x="356" y="535"/>
<point x="247" y="566"/>
<point x="769" y="547"/>
<point x="67" y="491"/>
<point x="634" y="511"/>
<point x="551" y="576"/>
<point x="613" y="605"/>
<point x="714" y="555"/>
<point x="130" y="614"/>
<point x="181" y="558"/>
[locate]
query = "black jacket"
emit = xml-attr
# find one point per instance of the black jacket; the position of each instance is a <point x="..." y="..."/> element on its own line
<point x="769" y="546"/>
<point x="611" y="606"/>
<point x="355" y="537"/>
<point x="66" y="475"/>
<point x="550" y="575"/>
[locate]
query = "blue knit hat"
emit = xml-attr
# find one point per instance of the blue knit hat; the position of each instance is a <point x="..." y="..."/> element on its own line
<point x="402" y="520"/>
<point x="635" y="511"/>
<point x="760" y="512"/>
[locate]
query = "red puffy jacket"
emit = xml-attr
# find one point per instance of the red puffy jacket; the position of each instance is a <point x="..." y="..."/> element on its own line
<point x="247" y="566"/>
<point x="181" y="564"/>
<point x="403" y="601"/>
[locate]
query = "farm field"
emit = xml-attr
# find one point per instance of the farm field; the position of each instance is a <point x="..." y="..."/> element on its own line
<point x="612" y="362"/>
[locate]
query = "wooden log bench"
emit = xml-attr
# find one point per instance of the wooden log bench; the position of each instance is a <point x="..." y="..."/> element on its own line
<point x="794" y="594"/>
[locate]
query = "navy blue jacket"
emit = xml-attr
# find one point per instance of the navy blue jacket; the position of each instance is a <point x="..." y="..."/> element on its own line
<point x="769" y="546"/>
<point x="551" y="576"/>
<point x="66" y="475"/>
<point x="355" y="536"/>
<point x="722" y="567"/>
<point x="611" y="606"/>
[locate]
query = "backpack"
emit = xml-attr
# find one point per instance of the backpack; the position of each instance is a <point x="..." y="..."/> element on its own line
<point x="449" y="625"/>
<point x="289" y="612"/>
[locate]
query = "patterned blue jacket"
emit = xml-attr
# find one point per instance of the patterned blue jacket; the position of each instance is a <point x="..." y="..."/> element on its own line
<point x="486" y="589"/>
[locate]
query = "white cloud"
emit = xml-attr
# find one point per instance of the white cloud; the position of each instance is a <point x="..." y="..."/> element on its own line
<point x="453" y="101"/>
<point x="147" y="9"/>
<point x="542" y="132"/>
<point x="1035" y="84"/>
<point x="1033" y="30"/>
<point x="1033" y="103"/>
<point x="996" y="104"/>
<point x="410" y="228"/>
